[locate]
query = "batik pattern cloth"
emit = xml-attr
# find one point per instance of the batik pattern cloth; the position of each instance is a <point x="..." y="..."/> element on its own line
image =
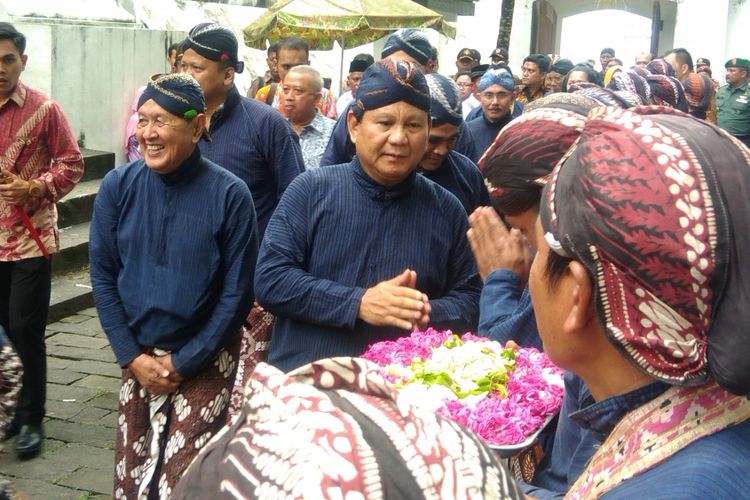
<point x="656" y="431"/>
<point x="313" y="139"/>
<point x="256" y="341"/>
<point x="336" y="429"/>
<point x="159" y="435"/>
<point x="11" y="371"/>
<point x="36" y="143"/>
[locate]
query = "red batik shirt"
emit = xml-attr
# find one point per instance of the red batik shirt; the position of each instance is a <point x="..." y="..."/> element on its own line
<point x="36" y="143"/>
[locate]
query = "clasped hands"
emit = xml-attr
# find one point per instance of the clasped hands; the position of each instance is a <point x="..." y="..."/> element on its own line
<point x="396" y="302"/>
<point x="156" y="373"/>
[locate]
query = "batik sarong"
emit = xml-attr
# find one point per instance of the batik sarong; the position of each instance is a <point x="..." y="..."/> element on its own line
<point x="256" y="340"/>
<point x="159" y="435"/>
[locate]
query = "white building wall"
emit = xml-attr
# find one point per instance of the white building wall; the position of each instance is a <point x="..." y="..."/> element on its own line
<point x="703" y="31"/>
<point x="94" y="72"/>
<point x="737" y="35"/>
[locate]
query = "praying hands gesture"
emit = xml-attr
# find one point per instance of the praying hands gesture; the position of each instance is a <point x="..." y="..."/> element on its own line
<point x="156" y="374"/>
<point x="495" y="247"/>
<point x="396" y="302"/>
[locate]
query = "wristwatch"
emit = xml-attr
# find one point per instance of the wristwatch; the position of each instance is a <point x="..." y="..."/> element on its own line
<point x="36" y="189"/>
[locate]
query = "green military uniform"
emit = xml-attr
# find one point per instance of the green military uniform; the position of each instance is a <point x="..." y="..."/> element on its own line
<point x="733" y="107"/>
<point x="733" y="104"/>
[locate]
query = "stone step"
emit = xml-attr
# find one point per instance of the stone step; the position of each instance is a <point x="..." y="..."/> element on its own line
<point x="78" y="205"/>
<point x="96" y="164"/>
<point x="71" y="293"/>
<point x="74" y="242"/>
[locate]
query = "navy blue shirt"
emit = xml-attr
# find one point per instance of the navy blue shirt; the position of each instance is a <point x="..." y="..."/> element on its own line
<point x="340" y="148"/>
<point x="172" y="259"/>
<point x="485" y="131"/>
<point x="255" y="143"/>
<point x="462" y="177"/>
<point x="506" y="312"/>
<point x="572" y="446"/>
<point x="337" y="232"/>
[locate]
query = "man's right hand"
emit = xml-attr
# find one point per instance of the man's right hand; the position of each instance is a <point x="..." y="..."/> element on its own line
<point x="152" y="375"/>
<point x="395" y="302"/>
<point x="495" y="247"/>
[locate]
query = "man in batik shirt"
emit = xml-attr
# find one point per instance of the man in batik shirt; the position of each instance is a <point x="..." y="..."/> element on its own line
<point x="40" y="164"/>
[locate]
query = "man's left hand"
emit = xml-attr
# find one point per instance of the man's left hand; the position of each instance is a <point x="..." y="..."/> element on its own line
<point x="166" y="362"/>
<point x="15" y="191"/>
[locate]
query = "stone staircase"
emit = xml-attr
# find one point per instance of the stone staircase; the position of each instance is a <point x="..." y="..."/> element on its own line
<point x="71" y="287"/>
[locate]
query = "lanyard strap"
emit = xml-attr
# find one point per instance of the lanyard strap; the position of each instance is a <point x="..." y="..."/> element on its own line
<point x="20" y="212"/>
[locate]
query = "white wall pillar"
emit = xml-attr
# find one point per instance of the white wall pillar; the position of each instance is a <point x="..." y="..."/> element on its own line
<point x="737" y="36"/>
<point x="702" y="30"/>
<point x="520" y="38"/>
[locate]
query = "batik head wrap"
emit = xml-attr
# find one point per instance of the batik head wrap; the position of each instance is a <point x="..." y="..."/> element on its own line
<point x="336" y="429"/>
<point x="388" y="81"/>
<point x="561" y="67"/>
<point x="497" y="77"/>
<point x="214" y="42"/>
<point x="653" y="202"/>
<point x="445" y="100"/>
<point x="178" y="93"/>
<point x="526" y="150"/>
<point x="411" y="41"/>
<point x="698" y="91"/>
<point x="640" y="71"/>
<point x="667" y="91"/>
<point x="605" y="97"/>
<point x="660" y="67"/>
<point x="631" y="81"/>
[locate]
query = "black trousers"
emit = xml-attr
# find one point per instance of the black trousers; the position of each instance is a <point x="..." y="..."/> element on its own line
<point x="25" y="287"/>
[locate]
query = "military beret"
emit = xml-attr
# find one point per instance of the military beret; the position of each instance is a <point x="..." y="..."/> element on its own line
<point x="737" y="62"/>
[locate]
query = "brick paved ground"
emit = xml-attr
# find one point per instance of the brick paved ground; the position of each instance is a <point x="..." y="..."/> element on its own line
<point x="83" y="380"/>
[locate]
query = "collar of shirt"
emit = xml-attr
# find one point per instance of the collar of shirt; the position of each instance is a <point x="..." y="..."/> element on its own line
<point x="232" y="100"/>
<point x="535" y="95"/>
<point x="187" y="170"/>
<point x="316" y="125"/>
<point x="377" y="191"/>
<point x="18" y="96"/>
<point x="602" y="416"/>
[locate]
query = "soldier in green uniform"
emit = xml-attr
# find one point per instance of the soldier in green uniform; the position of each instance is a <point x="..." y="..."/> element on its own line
<point x="733" y="100"/>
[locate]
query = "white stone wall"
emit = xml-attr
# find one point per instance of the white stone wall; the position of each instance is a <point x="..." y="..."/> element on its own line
<point x="94" y="72"/>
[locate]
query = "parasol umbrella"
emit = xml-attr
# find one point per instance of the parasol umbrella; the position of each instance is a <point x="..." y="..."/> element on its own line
<point x="349" y="22"/>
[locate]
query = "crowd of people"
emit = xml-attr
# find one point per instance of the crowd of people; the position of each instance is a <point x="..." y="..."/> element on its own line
<point x="253" y="247"/>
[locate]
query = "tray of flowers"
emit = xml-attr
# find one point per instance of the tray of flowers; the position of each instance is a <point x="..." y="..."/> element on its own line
<point x="504" y="395"/>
